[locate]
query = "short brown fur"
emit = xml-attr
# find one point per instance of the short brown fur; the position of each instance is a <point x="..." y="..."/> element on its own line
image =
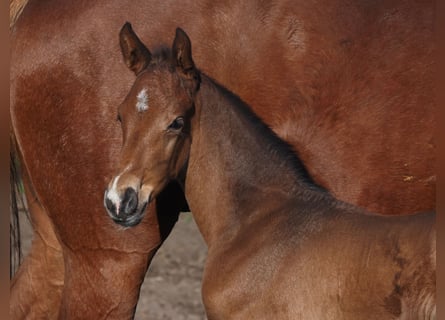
<point x="356" y="76"/>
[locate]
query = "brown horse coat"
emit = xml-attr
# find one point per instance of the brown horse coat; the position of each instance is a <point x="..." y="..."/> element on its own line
<point x="355" y="76"/>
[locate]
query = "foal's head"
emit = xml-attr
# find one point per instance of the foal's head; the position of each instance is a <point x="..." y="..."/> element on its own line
<point x="155" y="118"/>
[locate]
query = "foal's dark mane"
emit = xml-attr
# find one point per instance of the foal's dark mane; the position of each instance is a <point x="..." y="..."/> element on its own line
<point x="274" y="143"/>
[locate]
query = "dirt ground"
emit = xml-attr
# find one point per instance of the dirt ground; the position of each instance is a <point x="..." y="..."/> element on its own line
<point x="172" y="286"/>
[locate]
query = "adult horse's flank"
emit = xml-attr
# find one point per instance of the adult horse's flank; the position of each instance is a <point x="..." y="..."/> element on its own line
<point x="356" y="76"/>
<point x="279" y="246"/>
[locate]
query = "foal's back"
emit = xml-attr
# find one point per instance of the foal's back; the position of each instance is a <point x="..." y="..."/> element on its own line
<point x="325" y="260"/>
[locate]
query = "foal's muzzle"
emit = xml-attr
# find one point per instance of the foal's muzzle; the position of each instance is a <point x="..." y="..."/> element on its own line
<point x="125" y="208"/>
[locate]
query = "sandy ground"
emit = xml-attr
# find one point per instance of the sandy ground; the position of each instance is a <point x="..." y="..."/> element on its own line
<point x="172" y="285"/>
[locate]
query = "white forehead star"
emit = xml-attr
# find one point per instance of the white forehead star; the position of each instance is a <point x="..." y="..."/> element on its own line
<point x="142" y="101"/>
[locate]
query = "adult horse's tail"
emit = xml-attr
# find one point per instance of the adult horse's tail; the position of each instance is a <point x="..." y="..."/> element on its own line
<point x="17" y="203"/>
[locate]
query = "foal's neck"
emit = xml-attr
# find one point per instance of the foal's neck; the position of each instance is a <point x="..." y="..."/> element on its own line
<point x="238" y="168"/>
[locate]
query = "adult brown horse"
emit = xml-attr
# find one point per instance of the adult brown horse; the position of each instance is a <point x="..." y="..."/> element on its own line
<point x="347" y="83"/>
<point x="278" y="246"/>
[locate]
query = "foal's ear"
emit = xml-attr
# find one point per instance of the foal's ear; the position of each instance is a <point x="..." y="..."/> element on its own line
<point x="182" y="51"/>
<point x="136" y="55"/>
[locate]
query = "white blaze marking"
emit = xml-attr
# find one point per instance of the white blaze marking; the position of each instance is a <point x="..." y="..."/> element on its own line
<point x="113" y="195"/>
<point x="142" y="101"/>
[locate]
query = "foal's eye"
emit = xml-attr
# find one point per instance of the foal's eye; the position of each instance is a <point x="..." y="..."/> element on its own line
<point x="177" y="124"/>
<point x="118" y="117"/>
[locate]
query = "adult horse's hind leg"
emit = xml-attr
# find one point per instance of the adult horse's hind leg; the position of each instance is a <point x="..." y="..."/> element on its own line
<point x="42" y="290"/>
<point x="104" y="283"/>
<point x="36" y="288"/>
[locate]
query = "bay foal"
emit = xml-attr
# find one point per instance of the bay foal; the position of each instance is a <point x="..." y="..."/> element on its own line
<point x="279" y="247"/>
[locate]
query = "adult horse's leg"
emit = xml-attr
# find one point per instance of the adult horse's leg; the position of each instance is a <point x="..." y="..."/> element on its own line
<point x="42" y="290"/>
<point x="112" y="277"/>
<point x="102" y="283"/>
<point x="36" y="288"/>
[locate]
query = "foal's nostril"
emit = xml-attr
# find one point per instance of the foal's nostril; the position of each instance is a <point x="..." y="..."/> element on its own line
<point x="130" y="201"/>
